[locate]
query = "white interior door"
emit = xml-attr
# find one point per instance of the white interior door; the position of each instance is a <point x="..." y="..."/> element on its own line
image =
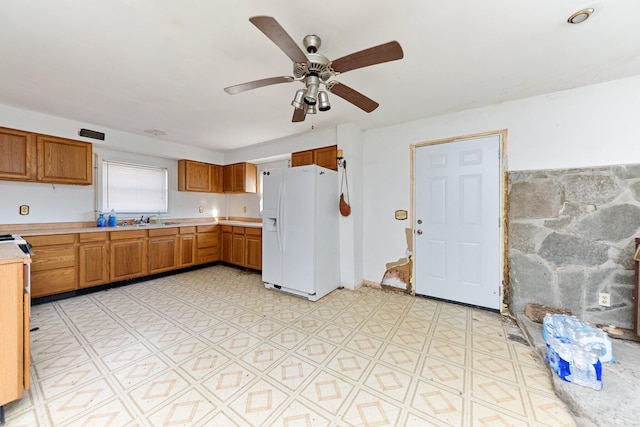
<point x="457" y="219"/>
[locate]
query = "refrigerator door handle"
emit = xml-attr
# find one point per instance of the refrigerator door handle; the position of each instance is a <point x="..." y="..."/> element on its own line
<point x="279" y="217"/>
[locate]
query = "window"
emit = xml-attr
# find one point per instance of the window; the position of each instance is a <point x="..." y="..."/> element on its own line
<point x="131" y="188"/>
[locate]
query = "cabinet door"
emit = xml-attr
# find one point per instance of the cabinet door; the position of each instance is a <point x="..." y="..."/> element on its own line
<point x="93" y="260"/>
<point x="326" y="157"/>
<point x="253" y="242"/>
<point x="238" y="246"/>
<point x="194" y="176"/>
<point x="238" y="177"/>
<point x="63" y="161"/>
<point x="250" y="177"/>
<point x="227" y="246"/>
<point x="128" y="259"/>
<point x="163" y="254"/>
<point x="217" y="179"/>
<point x="227" y="179"/>
<point x="302" y="158"/>
<point x="187" y="250"/>
<point x="17" y="155"/>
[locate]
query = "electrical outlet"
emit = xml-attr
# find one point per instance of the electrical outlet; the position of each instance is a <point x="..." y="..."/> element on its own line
<point x="201" y="209"/>
<point x="24" y="209"/>
<point x="244" y="209"/>
<point x="604" y="299"/>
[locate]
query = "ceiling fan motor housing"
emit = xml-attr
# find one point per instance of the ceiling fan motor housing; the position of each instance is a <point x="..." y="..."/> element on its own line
<point x="311" y="43"/>
<point x="317" y="64"/>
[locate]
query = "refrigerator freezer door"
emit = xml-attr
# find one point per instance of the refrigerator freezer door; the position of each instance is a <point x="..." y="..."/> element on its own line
<point x="271" y="244"/>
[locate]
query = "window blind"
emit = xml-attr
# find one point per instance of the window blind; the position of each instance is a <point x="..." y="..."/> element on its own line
<point x="132" y="188"/>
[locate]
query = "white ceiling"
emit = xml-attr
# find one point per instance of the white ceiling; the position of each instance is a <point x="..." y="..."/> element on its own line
<point x="133" y="65"/>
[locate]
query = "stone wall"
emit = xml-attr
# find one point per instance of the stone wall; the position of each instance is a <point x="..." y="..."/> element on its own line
<point x="571" y="236"/>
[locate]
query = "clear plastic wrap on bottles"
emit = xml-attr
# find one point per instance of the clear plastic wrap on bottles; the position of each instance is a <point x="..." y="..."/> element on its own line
<point x="576" y="350"/>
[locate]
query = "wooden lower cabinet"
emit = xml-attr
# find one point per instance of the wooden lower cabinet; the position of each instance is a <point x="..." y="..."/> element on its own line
<point x="127" y="254"/>
<point x="207" y="243"/>
<point x="67" y="262"/>
<point x="163" y="249"/>
<point x="14" y="339"/>
<point x="242" y="246"/>
<point x="53" y="268"/>
<point x="187" y="250"/>
<point x="226" y="241"/>
<point x="237" y="246"/>
<point x="253" y="245"/>
<point x="93" y="259"/>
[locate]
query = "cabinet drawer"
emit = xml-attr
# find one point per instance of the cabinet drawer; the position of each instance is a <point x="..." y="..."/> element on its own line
<point x="92" y="237"/>
<point x="206" y="240"/>
<point x="52" y="282"/>
<point x="238" y="230"/>
<point x="53" y="257"/>
<point x="207" y="228"/>
<point x="188" y="230"/>
<point x="51" y="239"/>
<point x="253" y="231"/>
<point x="226" y="228"/>
<point x="207" y="255"/>
<point x="169" y="231"/>
<point x="129" y="234"/>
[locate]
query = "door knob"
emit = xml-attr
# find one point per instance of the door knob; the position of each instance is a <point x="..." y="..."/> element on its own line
<point x="419" y="231"/>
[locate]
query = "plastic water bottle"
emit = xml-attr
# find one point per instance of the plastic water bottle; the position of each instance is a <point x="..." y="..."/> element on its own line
<point x="112" y="218"/>
<point x="586" y="369"/>
<point x="101" y="220"/>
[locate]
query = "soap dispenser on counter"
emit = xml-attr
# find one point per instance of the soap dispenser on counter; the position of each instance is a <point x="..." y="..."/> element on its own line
<point x="101" y="222"/>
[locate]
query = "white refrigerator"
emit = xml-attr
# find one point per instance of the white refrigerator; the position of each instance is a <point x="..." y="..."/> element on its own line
<point x="300" y="240"/>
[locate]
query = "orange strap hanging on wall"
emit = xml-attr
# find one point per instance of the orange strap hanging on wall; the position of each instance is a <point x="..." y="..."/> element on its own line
<point x="345" y="209"/>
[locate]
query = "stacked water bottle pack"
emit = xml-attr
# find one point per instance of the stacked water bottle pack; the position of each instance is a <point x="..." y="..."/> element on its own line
<point x="576" y="350"/>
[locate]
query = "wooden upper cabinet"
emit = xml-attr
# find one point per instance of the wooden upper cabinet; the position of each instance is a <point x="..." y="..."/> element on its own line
<point x="194" y="176"/>
<point x="216" y="178"/>
<point x="227" y="179"/>
<point x="302" y="158"/>
<point x="64" y="161"/>
<point x="325" y="157"/>
<point x="17" y="155"/>
<point x="199" y="176"/>
<point x="240" y="178"/>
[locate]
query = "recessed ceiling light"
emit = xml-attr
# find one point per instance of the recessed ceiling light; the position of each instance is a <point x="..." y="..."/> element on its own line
<point x="155" y="132"/>
<point x="580" y="16"/>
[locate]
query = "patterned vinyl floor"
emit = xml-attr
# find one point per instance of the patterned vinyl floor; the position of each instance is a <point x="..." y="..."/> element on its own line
<point x="213" y="347"/>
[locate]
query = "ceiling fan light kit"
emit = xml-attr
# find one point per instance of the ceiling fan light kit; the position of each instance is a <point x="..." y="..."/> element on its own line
<point x="314" y="69"/>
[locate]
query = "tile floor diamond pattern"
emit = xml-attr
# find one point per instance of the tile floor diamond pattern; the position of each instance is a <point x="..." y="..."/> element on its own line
<point x="193" y="349"/>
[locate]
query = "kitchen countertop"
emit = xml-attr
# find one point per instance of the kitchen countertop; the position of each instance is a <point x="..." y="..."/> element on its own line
<point x="10" y="253"/>
<point x="167" y="224"/>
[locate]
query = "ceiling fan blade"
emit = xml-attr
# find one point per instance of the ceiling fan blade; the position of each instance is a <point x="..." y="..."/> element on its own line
<point x="354" y="97"/>
<point x="243" y="87"/>
<point x="299" y="115"/>
<point x="374" y="55"/>
<point x="270" y="27"/>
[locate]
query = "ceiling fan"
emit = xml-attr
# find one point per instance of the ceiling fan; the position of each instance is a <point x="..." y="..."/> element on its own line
<point x="314" y="69"/>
